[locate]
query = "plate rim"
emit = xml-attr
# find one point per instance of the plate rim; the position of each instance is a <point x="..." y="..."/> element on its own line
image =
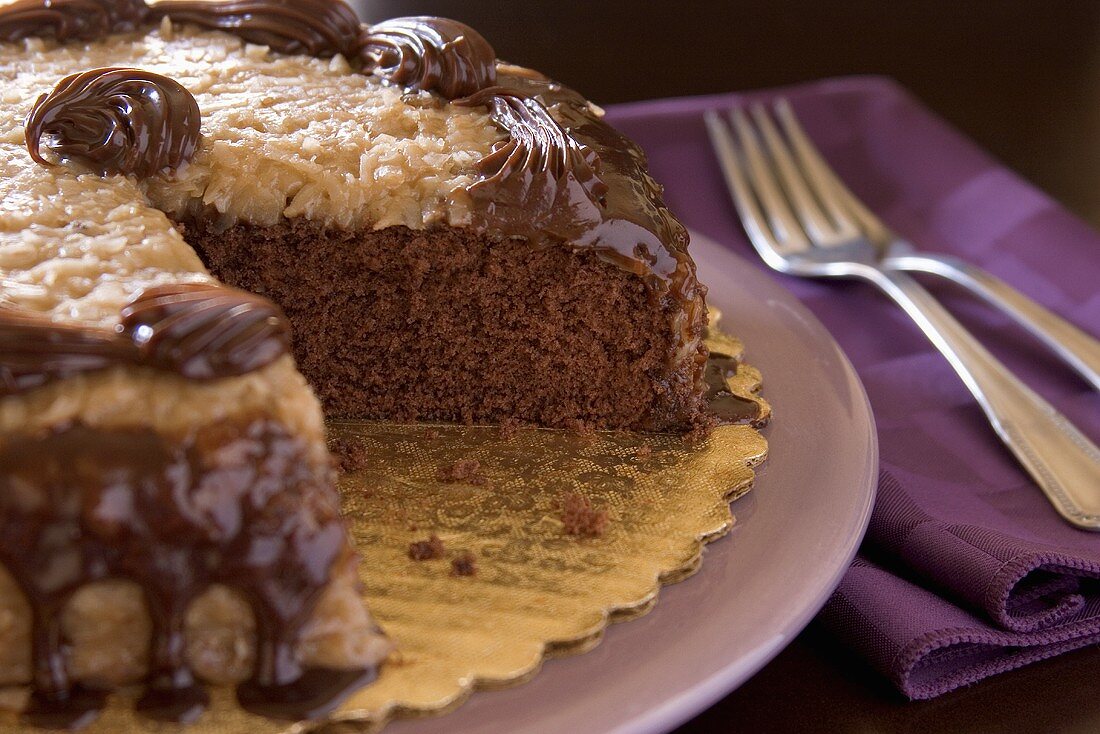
<point x="717" y="686"/>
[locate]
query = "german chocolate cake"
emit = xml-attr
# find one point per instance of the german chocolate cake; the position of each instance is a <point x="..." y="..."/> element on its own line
<point x="198" y="199"/>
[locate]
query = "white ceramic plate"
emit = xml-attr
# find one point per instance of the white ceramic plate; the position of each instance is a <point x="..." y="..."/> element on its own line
<point x="797" y="531"/>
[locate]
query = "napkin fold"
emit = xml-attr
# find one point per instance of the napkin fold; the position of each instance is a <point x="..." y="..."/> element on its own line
<point x="966" y="570"/>
<point x="934" y="604"/>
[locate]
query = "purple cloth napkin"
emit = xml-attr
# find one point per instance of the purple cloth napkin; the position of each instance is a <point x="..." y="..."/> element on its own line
<point x="966" y="571"/>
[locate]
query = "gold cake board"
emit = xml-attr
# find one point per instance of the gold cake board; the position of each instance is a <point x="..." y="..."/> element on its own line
<point x="538" y="592"/>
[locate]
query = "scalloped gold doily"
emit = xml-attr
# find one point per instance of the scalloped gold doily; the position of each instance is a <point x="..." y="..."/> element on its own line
<point x="537" y="590"/>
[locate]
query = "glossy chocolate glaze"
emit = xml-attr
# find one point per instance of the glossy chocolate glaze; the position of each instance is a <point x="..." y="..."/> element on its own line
<point x="69" y="20"/>
<point x="200" y="331"/>
<point x="428" y="53"/>
<point x="116" y="121"/>
<point x="239" y="504"/>
<point x="607" y="199"/>
<point x="723" y="404"/>
<point x="314" y="27"/>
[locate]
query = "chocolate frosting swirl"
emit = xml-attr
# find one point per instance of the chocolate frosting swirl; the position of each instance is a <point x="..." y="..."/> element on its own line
<point x="540" y="168"/>
<point x="205" y="331"/>
<point x="197" y="330"/>
<point x="428" y="53"/>
<point x="314" y="27"/>
<point x="68" y="20"/>
<point x="116" y="121"/>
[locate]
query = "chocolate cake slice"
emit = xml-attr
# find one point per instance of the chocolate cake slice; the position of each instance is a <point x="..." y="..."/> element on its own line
<point x="452" y="238"/>
<point x="205" y="197"/>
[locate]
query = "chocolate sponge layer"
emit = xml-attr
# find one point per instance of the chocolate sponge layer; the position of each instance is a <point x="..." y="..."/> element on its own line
<point x="448" y="324"/>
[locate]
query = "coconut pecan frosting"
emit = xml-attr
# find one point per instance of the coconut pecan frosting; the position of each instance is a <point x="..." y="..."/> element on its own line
<point x="563" y="173"/>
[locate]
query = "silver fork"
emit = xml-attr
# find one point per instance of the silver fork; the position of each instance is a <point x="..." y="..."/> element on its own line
<point x="800" y="220"/>
<point x="1079" y="350"/>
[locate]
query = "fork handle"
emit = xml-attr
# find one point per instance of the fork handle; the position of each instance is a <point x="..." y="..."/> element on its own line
<point x="1079" y="350"/>
<point x="1062" y="460"/>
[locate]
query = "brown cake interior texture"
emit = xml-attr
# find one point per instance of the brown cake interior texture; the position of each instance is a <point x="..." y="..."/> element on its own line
<point x="449" y="324"/>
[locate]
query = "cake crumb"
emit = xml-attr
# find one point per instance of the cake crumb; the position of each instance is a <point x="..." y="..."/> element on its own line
<point x="508" y="428"/>
<point x="580" y="518"/>
<point x="349" y="455"/>
<point x="464" y="564"/>
<point x="467" y="471"/>
<point x="431" y="434"/>
<point x="643" y="452"/>
<point x="426" y="550"/>
<point x="585" y="430"/>
<point x="700" y="431"/>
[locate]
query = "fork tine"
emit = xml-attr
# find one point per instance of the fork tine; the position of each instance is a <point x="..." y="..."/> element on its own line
<point x="759" y="172"/>
<point x="843" y="207"/>
<point x="752" y="218"/>
<point x="822" y="231"/>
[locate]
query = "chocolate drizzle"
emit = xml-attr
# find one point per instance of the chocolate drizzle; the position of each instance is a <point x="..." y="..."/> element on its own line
<point x="238" y="504"/>
<point x="428" y="53"/>
<point x="69" y="20"/>
<point x="116" y="120"/>
<point x="197" y="330"/>
<point x="725" y="405"/>
<point x="314" y="27"/>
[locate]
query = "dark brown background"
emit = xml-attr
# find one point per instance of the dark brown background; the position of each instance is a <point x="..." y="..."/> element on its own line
<point x="1022" y="77"/>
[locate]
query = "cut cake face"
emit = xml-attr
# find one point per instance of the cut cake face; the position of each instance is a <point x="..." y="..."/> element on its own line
<point x="425" y="232"/>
